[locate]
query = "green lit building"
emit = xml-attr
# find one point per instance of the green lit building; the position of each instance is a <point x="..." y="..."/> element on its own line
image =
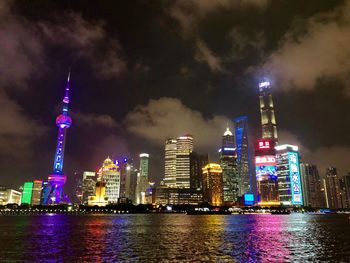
<point x="27" y="193"/>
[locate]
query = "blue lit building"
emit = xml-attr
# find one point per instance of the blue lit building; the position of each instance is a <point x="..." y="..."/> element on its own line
<point x="289" y="179"/>
<point x="55" y="194"/>
<point x="243" y="151"/>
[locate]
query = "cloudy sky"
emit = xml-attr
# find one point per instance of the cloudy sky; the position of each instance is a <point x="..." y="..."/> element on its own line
<point x="143" y="71"/>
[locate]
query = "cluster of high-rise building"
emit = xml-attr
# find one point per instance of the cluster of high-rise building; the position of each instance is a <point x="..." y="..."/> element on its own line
<point x="189" y="177"/>
<point x="261" y="172"/>
<point x="117" y="182"/>
<point x="281" y="177"/>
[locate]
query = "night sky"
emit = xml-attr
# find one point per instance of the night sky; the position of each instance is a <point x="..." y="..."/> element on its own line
<point x="142" y="71"/>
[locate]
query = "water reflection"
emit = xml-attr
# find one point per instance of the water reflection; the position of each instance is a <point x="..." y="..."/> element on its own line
<point x="175" y="238"/>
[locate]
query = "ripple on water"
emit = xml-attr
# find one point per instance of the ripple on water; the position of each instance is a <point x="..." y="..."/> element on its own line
<point x="175" y="238"/>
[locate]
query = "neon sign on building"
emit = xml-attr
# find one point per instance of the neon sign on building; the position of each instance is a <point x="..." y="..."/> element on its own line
<point x="264" y="144"/>
<point x="295" y="182"/>
<point x="265" y="160"/>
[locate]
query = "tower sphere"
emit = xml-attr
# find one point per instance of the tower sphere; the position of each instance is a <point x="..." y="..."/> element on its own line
<point x="63" y="121"/>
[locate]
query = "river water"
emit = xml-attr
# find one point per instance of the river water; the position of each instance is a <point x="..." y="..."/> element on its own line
<point x="175" y="238"/>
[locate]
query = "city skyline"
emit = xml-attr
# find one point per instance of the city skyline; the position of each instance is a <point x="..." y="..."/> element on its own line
<point x="124" y="104"/>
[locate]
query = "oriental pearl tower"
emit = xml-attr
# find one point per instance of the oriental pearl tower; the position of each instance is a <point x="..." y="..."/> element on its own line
<point x="57" y="179"/>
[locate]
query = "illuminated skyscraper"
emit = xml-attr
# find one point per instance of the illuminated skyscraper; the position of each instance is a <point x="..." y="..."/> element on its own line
<point x="288" y="170"/>
<point x="142" y="180"/>
<point x="266" y="173"/>
<point x="88" y="185"/>
<point x="332" y="188"/>
<point x="177" y="162"/>
<point x="170" y="163"/>
<point x="212" y="184"/>
<point x="345" y="191"/>
<point x="184" y="147"/>
<point x="197" y="162"/>
<point x="244" y="155"/>
<point x="311" y="184"/>
<point x="110" y="174"/>
<point x="229" y="167"/>
<point x="36" y="193"/>
<point x="57" y="179"/>
<point x="129" y="172"/>
<point x="268" y="120"/>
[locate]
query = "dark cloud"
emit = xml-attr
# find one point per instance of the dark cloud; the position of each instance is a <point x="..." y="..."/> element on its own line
<point x="190" y="12"/>
<point x="94" y="120"/>
<point x="21" y="51"/>
<point x="89" y="41"/>
<point x="204" y="55"/>
<point x="337" y="155"/>
<point x="170" y="118"/>
<point x="312" y="50"/>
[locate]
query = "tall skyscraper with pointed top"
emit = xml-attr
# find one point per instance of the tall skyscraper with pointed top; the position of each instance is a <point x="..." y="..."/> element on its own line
<point x="57" y="178"/>
<point x="268" y="120"/>
<point x="229" y="168"/>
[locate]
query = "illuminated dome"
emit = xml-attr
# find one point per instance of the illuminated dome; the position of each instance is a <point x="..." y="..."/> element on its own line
<point x="228" y="132"/>
<point x="63" y="121"/>
<point x="107" y="162"/>
<point x="108" y="165"/>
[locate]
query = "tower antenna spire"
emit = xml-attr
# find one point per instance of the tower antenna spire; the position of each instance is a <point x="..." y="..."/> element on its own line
<point x="57" y="179"/>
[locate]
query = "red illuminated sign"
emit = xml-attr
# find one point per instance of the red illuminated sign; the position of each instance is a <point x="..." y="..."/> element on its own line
<point x="264" y="145"/>
<point x="265" y="160"/>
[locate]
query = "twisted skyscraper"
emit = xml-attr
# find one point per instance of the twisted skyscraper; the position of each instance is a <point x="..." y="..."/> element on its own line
<point x="57" y="179"/>
<point x="268" y="120"/>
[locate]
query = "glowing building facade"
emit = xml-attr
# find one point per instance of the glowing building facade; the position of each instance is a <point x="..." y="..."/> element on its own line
<point x="170" y="163"/>
<point x="9" y="196"/>
<point x="212" y="184"/>
<point x="244" y="155"/>
<point x="266" y="173"/>
<point x="197" y="162"/>
<point x="345" y="191"/>
<point x="37" y="191"/>
<point x="268" y="120"/>
<point x="57" y="178"/>
<point x="142" y="179"/>
<point x="110" y="174"/>
<point x="27" y="193"/>
<point x="229" y="168"/>
<point x="100" y="198"/>
<point x="332" y="188"/>
<point x="177" y="162"/>
<point x="289" y="178"/>
<point x="311" y="185"/>
<point x="88" y="185"/>
<point x="176" y="196"/>
<point x="184" y="147"/>
<point x="129" y="172"/>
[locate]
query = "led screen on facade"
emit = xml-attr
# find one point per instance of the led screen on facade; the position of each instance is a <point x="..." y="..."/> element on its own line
<point x="295" y="182"/>
<point x="266" y="171"/>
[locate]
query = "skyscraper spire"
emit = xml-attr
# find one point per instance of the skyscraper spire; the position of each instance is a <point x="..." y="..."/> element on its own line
<point x="268" y="120"/>
<point x="57" y="179"/>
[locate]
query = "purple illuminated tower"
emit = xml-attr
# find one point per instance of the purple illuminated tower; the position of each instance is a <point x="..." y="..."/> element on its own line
<point x="57" y="179"/>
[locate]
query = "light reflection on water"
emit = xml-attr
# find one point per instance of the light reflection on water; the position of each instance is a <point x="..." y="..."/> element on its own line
<point x="175" y="238"/>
